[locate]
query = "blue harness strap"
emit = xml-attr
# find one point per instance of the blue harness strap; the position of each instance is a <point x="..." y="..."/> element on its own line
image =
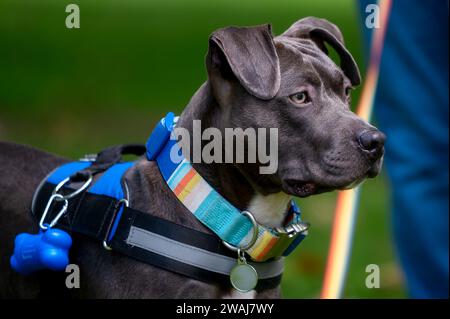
<point x="108" y="184"/>
<point x="67" y="170"/>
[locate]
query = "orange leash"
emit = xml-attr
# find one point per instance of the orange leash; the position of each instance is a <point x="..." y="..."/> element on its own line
<point x="347" y="201"/>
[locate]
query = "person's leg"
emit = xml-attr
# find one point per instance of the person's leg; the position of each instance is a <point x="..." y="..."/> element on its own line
<point x="411" y="107"/>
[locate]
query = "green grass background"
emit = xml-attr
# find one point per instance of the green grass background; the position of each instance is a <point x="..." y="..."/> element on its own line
<point x="76" y="91"/>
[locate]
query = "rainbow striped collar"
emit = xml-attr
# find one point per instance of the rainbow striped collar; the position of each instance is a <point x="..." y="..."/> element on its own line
<point x="213" y="210"/>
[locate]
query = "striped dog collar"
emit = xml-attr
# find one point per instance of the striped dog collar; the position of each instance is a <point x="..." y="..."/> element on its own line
<point x="235" y="228"/>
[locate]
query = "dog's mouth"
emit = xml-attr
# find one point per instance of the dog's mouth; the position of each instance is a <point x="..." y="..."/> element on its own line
<point x="301" y="188"/>
<point x="304" y="189"/>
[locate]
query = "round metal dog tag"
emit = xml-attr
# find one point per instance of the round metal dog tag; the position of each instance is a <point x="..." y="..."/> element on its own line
<point x="243" y="277"/>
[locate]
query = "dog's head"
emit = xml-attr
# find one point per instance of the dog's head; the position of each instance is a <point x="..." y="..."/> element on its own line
<point x="289" y="82"/>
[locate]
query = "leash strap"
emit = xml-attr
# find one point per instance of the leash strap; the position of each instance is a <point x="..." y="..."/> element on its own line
<point x="211" y="208"/>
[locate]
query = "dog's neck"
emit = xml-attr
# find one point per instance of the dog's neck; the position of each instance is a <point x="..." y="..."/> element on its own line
<point x="225" y="178"/>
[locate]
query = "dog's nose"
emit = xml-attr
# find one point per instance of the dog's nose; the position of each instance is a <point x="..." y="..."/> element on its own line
<point x="373" y="142"/>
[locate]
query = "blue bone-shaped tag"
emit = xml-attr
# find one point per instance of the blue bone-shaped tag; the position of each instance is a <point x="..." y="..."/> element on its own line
<point x="46" y="250"/>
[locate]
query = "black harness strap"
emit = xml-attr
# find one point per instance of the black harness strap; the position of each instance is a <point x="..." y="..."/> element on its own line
<point x="87" y="214"/>
<point x="92" y="215"/>
<point x="107" y="158"/>
<point x="180" y="234"/>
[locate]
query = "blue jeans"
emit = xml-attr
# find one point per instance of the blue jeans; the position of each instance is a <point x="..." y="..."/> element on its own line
<point x="411" y="107"/>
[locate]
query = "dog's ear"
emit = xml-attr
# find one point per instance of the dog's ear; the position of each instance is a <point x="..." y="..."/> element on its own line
<point x="247" y="54"/>
<point x="321" y="31"/>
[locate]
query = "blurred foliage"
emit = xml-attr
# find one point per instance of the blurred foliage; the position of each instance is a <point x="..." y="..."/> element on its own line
<point x="75" y="91"/>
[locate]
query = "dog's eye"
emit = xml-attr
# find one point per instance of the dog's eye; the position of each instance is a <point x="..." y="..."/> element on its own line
<point x="300" y="97"/>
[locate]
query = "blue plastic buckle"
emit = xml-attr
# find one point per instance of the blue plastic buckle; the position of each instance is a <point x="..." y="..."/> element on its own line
<point x="159" y="137"/>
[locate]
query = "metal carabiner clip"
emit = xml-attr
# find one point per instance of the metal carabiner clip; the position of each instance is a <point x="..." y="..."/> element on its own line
<point x="57" y="198"/>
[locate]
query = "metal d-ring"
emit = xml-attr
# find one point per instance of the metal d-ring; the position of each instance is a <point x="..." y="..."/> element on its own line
<point x="74" y="193"/>
<point x="105" y="243"/>
<point x="254" y="237"/>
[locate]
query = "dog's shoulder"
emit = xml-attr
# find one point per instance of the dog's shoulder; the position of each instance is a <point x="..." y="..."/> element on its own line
<point x="17" y="156"/>
<point x="22" y="168"/>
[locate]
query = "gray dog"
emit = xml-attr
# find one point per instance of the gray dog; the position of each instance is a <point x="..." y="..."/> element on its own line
<point x="254" y="80"/>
